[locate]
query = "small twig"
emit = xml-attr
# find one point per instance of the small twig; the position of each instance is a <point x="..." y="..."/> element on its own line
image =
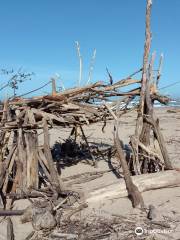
<point x="110" y="77"/>
<point x="60" y="204"/>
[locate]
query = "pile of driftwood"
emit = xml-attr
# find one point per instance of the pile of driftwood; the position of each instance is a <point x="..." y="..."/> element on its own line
<point x="27" y="170"/>
<point x="20" y="154"/>
<point x="21" y="158"/>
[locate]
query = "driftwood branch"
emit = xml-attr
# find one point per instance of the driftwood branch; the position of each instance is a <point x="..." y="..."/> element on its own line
<point x="144" y="182"/>
<point x="133" y="192"/>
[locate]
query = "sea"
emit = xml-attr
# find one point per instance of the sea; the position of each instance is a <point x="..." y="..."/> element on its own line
<point x="172" y="103"/>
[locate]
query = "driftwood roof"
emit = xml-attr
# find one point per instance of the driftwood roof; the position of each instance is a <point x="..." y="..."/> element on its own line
<point x="80" y="105"/>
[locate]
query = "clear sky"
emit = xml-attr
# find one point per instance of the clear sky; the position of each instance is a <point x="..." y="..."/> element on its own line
<point x="40" y="35"/>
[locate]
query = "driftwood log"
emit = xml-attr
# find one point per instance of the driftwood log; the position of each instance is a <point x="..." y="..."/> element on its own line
<point x="139" y="122"/>
<point x="144" y="182"/>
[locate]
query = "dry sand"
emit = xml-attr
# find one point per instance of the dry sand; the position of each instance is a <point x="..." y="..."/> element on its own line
<point x="166" y="200"/>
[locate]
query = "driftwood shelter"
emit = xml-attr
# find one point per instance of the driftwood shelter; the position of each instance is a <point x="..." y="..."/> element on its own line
<point x="28" y="169"/>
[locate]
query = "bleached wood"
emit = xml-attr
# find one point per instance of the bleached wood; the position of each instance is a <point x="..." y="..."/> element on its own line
<point x="80" y="62"/>
<point x="144" y="182"/>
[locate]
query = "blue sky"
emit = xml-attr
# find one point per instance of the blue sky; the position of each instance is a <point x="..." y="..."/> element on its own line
<point x="40" y="37"/>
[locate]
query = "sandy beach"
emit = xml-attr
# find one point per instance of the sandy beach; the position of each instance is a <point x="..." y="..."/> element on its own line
<point x="166" y="200"/>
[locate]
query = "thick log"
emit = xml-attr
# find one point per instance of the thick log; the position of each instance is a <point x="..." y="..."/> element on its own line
<point x="146" y="56"/>
<point x="139" y="122"/>
<point x="148" y="110"/>
<point x="148" y="105"/>
<point x="144" y="182"/>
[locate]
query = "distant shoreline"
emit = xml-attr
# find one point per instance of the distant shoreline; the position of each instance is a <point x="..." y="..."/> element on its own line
<point x="175" y="104"/>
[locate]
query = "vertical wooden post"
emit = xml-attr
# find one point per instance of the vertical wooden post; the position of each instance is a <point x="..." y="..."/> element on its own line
<point x="148" y="110"/>
<point x="31" y="139"/>
<point x="145" y="57"/>
<point x="139" y="122"/>
<point x="53" y="86"/>
<point x="21" y="162"/>
<point x="5" y="110"/>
